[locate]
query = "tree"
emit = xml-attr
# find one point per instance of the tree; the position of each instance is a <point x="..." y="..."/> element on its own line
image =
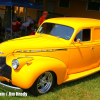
<point x="7" y="16"/>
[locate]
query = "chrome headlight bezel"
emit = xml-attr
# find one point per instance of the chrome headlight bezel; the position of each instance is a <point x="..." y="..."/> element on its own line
<point x="15" y="64"/>
<point x="1" y="52"/>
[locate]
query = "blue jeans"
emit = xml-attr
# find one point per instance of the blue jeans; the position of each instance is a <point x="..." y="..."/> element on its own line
<point x="23" y="28"/>
<point x="8" y="29"/>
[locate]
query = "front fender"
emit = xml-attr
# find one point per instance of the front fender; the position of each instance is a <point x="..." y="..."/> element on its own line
<point x="26" y="76"/>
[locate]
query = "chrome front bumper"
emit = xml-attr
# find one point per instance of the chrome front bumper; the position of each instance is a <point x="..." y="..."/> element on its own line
<point x="10" y="88"/>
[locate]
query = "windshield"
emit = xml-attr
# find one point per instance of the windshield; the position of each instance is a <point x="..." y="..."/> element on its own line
<point x="61" y="31"/>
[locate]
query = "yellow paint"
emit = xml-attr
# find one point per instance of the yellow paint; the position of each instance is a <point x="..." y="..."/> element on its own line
<point x="82" y="74"/>
<point x="69" y="21"/>
<point x="39" y="53"/>
<point x="4" y="79"/>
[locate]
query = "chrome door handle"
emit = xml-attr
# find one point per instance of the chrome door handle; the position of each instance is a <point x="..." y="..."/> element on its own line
<point x="92" y="48"/>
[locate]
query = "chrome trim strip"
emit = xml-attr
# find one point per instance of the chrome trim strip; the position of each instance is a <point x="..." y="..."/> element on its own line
<point x="31" y="51"/>
<point x="43" y="50"/>
<point x="25" y="51"/>
<point x="10" y="88"/>
<point x="1" y="52"/>
<point x="49" y="50"/>
<point x="23" y="57"/>
<point x="37" y="50"/>
<point x="19" y="51"/>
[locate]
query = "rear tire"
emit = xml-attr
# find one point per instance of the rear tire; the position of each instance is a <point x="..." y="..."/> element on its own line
<point x="43" y="84"/>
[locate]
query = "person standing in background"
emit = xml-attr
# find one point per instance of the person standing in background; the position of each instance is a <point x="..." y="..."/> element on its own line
<point x="43" y="18"/>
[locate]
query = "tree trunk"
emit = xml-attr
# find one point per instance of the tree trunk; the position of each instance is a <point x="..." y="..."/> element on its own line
<point x="7" y="16"/>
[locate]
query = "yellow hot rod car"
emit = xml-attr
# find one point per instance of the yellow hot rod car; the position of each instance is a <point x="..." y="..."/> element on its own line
<point x="62" y="50"/>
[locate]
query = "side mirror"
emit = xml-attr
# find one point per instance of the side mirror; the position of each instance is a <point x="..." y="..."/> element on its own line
<point x="78" y="40"/>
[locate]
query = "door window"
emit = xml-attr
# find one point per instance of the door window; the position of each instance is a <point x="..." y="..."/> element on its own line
<point x="83" y="35"/>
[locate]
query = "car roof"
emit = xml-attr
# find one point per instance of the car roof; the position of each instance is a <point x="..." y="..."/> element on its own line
<point x="75" y="22"/>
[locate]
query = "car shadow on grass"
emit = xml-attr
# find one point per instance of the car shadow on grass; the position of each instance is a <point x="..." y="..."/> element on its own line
<point x="67" y="84"/>
<point x="77" y="81"/>
<point x="73" y="83"/>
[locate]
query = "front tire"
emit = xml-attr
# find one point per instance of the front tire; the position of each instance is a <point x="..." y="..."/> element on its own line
<point x="43" y="84"/>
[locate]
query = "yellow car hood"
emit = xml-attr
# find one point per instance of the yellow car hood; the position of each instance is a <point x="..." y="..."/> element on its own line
<point x="32" y="42"/>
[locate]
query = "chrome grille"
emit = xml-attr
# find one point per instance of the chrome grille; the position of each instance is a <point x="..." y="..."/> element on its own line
<point x="5" y="70"/>
<point x="2" y="61"/>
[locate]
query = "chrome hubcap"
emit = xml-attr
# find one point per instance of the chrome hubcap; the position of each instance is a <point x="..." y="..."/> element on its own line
<point x="44" y="82"/>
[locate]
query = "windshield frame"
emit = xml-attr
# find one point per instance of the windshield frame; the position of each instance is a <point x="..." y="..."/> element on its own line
<point x="56" y="24"/>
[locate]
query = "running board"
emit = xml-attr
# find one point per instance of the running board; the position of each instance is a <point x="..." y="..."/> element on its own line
<point x="82" y="74"/>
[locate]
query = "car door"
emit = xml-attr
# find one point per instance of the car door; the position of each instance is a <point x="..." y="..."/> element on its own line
<point x="96" y="43"/>
<point x="82" y="54"/>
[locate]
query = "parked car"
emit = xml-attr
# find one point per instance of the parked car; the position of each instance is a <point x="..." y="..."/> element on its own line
<point x="62" y="50"/>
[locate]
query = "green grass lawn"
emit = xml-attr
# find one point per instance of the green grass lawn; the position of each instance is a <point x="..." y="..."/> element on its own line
<point x="87" y="88"/>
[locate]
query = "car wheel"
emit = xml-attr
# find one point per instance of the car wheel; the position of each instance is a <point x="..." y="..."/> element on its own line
<point x="43" y="84"/>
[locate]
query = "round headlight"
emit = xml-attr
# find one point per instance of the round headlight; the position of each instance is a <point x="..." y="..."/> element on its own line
<point x="15" y="64"/>
<point x="1" y="52"/>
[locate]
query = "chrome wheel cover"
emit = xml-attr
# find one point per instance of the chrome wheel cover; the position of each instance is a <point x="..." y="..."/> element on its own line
<point x="44" y="82"/>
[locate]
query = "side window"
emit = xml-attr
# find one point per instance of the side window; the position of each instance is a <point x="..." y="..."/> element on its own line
<point x="83" y="35"/>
